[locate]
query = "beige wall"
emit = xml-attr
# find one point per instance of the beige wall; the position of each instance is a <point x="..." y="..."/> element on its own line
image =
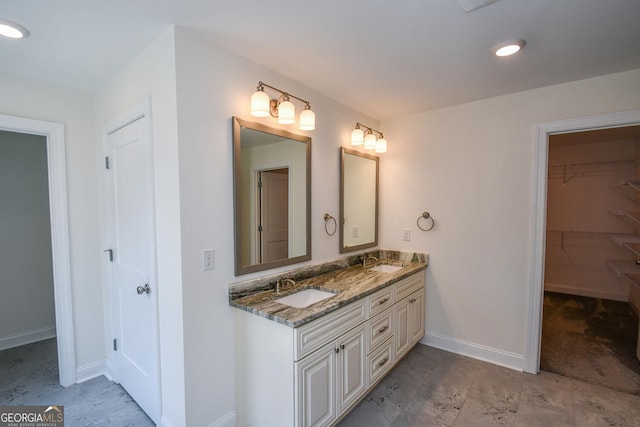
<point x="212" y="86"/>
<point x="472" y="167"/>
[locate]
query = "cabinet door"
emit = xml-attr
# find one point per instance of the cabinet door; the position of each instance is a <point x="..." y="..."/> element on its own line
<point x="416" y="316"/>
<point x="401" y="336"/>
<point x="352" y="363"/>
<point x="316" y="388"/>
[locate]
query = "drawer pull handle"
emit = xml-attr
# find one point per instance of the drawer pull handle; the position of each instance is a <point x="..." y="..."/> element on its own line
<point x="384" y="328"/>
<point x="383" y="361"/>
<point x="382" y="301"/>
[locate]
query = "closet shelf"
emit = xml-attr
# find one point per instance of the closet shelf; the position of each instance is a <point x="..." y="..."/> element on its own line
<point x="624" y="266"/>
<point x="568" y="171"/>
<point x="631" y="242"/>
<point x="634" y="279"/>
<point x="629" y="188"/>
<point x="633" y="217"/>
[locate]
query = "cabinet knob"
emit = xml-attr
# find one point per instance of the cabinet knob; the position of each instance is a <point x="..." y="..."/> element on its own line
<point x="337" y="349"/>
<point x="342" y="346"/>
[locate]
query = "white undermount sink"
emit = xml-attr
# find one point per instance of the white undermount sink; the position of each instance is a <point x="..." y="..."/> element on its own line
<point x="305" y="298"/>
<point x="385" y="268"/>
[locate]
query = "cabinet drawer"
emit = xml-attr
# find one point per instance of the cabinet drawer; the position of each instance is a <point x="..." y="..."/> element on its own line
<point x="380" y="329"/>
<point x="314" y="335"/>
<point x="408" y="285"/>
<point x="380" y="301"/>
<point x="380" y="361"/>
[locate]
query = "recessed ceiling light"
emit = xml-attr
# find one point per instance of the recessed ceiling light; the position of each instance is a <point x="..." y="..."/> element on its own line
<point x="508" y="48"/>
<point x="12" y="29"/>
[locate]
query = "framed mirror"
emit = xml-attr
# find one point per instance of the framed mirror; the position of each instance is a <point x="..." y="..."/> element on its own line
<point x="272" y="197"/>
<point x="358" y="200"/>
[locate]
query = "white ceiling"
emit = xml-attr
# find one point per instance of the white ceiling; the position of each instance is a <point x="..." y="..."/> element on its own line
<point x="382" y="57"/>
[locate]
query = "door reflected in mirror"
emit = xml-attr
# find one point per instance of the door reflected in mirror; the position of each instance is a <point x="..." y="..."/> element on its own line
<point x="272" y="197"/>
<point x="358" y="200"/>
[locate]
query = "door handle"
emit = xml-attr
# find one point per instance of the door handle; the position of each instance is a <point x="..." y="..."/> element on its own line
<point x="143" y="289"/>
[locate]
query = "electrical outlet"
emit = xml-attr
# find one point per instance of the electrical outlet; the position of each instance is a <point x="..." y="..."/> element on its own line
<point x="406" y="234"/>
<point x="208" y="259"/>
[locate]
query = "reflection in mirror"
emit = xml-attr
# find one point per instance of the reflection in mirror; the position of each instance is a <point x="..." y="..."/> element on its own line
<point x="272" y="197"/>
<point x="358" y="200"/>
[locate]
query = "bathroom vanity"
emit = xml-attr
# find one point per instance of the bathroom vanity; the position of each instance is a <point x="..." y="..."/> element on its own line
<point x="310" y="365"/>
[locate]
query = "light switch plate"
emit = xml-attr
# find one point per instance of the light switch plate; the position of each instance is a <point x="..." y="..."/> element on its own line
<point x="355" y="231"/>
<point x="208" y="259"/>
<point x="406" y="234"/>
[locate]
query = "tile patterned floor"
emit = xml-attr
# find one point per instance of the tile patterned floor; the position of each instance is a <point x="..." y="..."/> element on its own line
<point x="431" y="387"/>
<point x="29" y="376"/>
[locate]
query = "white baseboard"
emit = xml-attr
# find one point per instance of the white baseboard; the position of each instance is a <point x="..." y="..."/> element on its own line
<point x="594" y="293"/>
<point x="476" y="351"/>
<point x="90" y="371"/>
<point x="228" y="420"/>
<point x="27" y="337"/>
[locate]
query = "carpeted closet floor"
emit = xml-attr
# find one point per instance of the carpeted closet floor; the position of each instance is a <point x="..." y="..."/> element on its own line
<point x="592" y="340"/>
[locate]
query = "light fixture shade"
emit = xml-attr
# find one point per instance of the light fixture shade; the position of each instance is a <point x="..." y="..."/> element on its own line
<point x="307" y="119"/>
<point x="286" y="113"/>
<point x="508" y="48"/>
<point x="260" y="104"/>
<point x="13" y="30"/>
<point x="370" y="141"/>
<point x="381" y="145"/>
<point x="357" y="137"/>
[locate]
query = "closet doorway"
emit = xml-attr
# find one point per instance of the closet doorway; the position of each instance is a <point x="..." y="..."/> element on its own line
<point x="53" y="135"/>
<point x="592" y="258"/>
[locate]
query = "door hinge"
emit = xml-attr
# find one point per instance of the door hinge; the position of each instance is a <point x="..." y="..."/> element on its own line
<point x="106" y="162"/>
<point x="260" y="184"/>
<point x="260" y="228"/>
<point x="110" y="254"/>
<point x="115" y="344"/>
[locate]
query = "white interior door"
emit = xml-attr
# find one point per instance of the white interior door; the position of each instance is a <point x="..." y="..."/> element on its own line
<point x="133" y="273"/>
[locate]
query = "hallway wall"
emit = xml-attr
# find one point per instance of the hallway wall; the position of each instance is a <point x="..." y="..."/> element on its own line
<point x="42" y="100"/>
<point x="26" y="290"/>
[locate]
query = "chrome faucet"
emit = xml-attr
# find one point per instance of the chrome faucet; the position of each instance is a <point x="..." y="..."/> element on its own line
<point x="367" y="258"/>
<point x="284" y="283"/>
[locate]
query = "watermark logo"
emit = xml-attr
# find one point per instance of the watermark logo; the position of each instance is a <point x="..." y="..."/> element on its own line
<point x="31" y="416"/>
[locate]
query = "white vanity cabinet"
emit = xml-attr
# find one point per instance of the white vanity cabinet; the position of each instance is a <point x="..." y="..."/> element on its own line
<point x="313" y="375"/>
<point x="409" y="321"/>
<point x="331" y="379"/>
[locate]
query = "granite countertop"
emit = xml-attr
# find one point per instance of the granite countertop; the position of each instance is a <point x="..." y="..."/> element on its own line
<point x="350" y="283"/>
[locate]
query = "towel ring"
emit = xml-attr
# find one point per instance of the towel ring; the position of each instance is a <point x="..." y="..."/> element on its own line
<point x="328" y="218"/>
<point x="427" y="216"/>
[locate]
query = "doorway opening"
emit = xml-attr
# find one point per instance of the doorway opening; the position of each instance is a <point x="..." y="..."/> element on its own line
<point x="591" y="297"/>
<point x="53" y="134"/>
<point x="27" y="310"/>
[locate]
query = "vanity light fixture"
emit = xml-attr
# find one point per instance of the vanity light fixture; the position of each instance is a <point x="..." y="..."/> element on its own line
<point x="508" y="48"/>
<point x="13" y="30"/>
<point x="370" y="141"/>
<point x="281" y="108"/>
